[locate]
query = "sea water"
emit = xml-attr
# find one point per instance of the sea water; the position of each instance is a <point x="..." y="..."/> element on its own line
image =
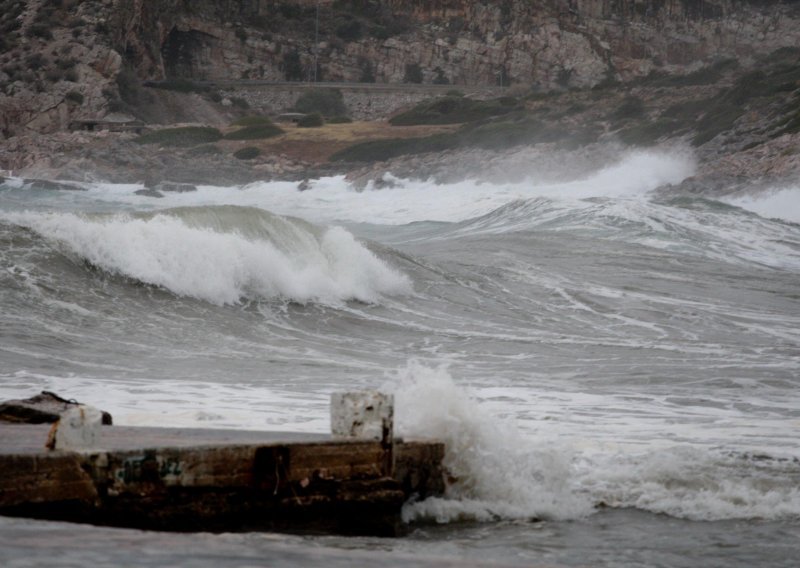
<point x="614" y="367"/>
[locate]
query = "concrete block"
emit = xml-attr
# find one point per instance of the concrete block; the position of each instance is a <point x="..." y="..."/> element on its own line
<point x="365" y="415"/>
<point x="78" y="429"/>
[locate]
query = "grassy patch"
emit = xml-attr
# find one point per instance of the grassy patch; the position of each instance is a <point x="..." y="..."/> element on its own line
<point x="256" y="132"/>
<point x="454" y="110"/>
<point x="490" y="135"/>
<point x="181" y="137"/>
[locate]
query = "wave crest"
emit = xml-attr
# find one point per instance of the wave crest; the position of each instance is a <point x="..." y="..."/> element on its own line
<point x="225" y="254"/>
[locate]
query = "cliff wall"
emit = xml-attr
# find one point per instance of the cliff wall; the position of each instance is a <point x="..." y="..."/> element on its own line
<point x="541" y="43"/>
<point x="68" y="60"/>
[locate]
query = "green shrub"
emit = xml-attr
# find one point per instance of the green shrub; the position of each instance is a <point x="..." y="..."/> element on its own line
<point x="40" y="30"/>
<point x="312" y="120"/>
<point x="251" y="121"/>
<point x="256" y="132"/>
<point x="453" y="110"/>
<point x="247" y="153"/>
<point x="632" y="107"/>
<point x="181" y="137"/>
<point x="35" y="61"/>
<point x="327" y="102"/>
<point x="74" y="97"/>
<point x="339" y="119"/>
<point x="648" y="133"/>
<point x="239" y="102"/>
<point x="53" y="75"/>
<point x="179" y="84"/>
<point x="293" y="66"/>
<point x="350" y="31"/>
<point x="413" y="73"/>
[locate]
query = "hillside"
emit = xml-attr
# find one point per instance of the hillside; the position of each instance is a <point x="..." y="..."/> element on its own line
<point x="717" y="76"/>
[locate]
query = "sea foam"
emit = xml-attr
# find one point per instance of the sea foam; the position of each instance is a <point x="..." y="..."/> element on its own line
<point x="499" y="473"/>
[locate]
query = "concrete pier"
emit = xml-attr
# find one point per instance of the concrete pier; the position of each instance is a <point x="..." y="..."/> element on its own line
<point x="217" y="480"/>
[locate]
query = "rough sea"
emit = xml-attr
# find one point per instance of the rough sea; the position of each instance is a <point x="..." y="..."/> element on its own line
<point x="615" y="369"/>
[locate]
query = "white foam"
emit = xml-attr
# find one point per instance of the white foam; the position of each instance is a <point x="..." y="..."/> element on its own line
<point x="333" y="199"/>
<point x="781" y="204"/>
<point x="495" y="473"/>
<point x="224" y="267"/>
<point x="561" y="473"/>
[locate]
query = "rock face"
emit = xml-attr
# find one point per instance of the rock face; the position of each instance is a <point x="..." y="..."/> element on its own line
<point x="544" y="43"/>
<point x="71" y="60"/>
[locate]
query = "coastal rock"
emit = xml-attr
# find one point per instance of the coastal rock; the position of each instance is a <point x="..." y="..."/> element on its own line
<point x="49" y="185"/>
<point x="43" y="408"/>
<point x="149" y="193"/>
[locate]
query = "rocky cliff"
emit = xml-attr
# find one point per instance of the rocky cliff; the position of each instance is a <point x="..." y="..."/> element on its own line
<point x="543" y="43"/>
<point x="64" y="59"/>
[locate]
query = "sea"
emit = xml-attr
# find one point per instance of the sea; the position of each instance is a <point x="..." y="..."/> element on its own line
<point x="613" y="365"/>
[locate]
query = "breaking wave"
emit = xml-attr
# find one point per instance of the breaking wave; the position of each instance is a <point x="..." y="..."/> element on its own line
<point x="224" y="254"/>
<point x="498" y="473"/>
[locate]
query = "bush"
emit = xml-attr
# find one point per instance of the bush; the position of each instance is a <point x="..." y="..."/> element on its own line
<point x="257" y="132"/>
<point x="35" y="61"/>
<point x="327" y="102"/>
<point x="74" y="97"/>
<point x="454" y="110"/>
<point x="350" y="31"/>
<point x="339" y="119"/>
<point x="179" y="84"/>
<point x="239" y="102"/>
<point x="181" y="137"/>
<point x="251" y="121"/>
<point x="40" y="30"/>
<point x="247" y="153"/>
<point x="293" y="66"/>
<point x="631" y="107"/>
<point x="312" y="120"/>
<point x="413" y="73"/>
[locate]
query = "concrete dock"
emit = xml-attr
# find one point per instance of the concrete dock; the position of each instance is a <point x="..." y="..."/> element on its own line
<point x="217" y="480"/>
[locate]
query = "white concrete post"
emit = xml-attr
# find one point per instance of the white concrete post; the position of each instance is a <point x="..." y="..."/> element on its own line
<point x="78" y="429"/>
<point x="365" y="415"/>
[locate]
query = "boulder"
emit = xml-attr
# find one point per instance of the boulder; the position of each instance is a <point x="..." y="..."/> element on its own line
<point x="43" y="408"/>
<point x="53" y="185"/>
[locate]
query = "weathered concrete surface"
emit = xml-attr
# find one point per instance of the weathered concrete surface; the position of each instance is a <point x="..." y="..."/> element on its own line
<point x="173" y="479"/>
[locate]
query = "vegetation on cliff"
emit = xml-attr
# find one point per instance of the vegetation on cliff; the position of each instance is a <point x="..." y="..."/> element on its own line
<point x="655" y="109"/>
<point x="181" y="137"/>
